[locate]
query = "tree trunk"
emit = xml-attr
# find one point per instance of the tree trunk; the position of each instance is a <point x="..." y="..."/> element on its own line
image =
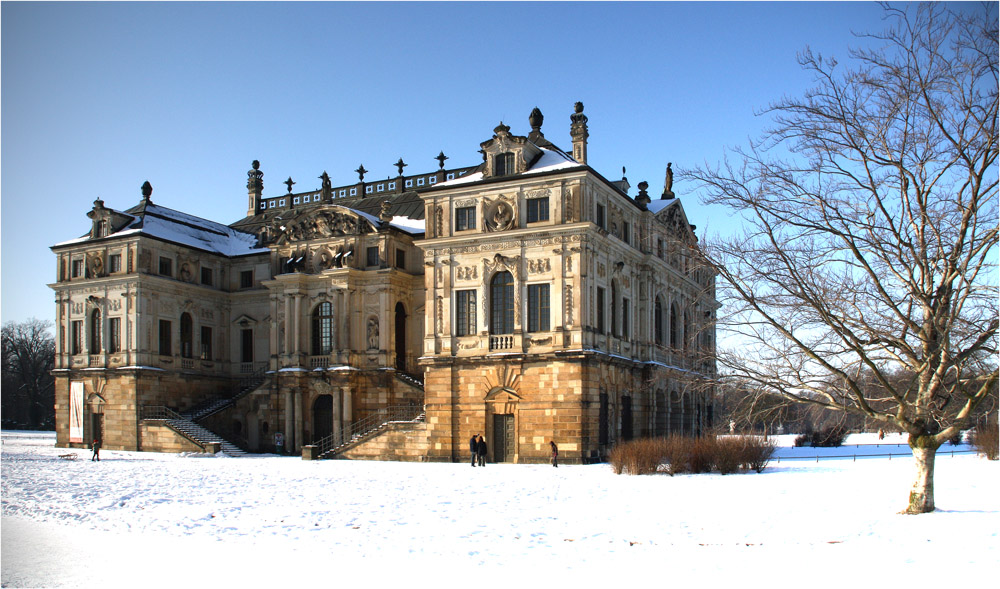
<point x="922" y="493"/>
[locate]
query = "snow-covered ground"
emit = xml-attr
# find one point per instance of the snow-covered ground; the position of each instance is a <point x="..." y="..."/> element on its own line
<point x="159" y="520"/>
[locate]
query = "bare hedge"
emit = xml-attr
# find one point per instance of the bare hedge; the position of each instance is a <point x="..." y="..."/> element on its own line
<point x="679" y="454"/>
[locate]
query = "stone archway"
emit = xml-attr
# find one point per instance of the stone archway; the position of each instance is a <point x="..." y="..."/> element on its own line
<point x="501" y="424"/>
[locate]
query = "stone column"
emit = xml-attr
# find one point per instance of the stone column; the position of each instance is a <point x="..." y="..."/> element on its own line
<point x="297" y="397"/>
<point x="289" y="420"/>
<point x="337" y="415"/>
<point x="298" y="323"/>
<point x="288" y="324"/>
<point x="348" y="409"/>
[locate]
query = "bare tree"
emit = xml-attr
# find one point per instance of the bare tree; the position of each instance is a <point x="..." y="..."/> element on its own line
<point x="869" y="243"/>
<point x="28" y="358"/>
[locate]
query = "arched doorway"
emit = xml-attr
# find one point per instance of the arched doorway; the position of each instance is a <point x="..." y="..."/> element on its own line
<point x="322" y="411"/>
<point x="400" y="337"/>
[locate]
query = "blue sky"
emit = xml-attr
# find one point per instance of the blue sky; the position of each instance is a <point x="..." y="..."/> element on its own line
<point x="99" y="97"/>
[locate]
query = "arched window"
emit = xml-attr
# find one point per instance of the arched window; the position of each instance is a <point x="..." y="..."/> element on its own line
<point x="502" y="303"/>
<point x="94" y="341"/>
<point x="187" y="336"/>
<point x="658" y="321"/>
<point x="322" y="329"/>
<point x="673" y="326"/>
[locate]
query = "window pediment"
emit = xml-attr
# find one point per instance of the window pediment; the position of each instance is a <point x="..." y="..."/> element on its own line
<point x="319" y="223"/>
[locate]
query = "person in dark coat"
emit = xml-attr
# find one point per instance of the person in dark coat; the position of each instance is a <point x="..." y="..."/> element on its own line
<point x="474" y="448"/>
<point x="555" y="453"/>
<point x="97" y="450"/>
<point x="481" y="450"/>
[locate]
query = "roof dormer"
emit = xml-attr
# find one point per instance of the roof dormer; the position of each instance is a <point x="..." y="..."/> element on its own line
<point x="508" y="154"/>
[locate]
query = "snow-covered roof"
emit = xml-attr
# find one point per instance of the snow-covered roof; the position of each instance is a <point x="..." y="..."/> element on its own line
<point x="658" y="205"/>
<point x="551" y="160"/>
<point x="408" y="225"/>
<point x="184" y="229"/>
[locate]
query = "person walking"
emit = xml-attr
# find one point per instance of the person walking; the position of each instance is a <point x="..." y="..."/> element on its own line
<point x="97" y="450"/>
<point x="481" y="450"/>
<point x="474" y="448"/>
<point x="555" y="453"/>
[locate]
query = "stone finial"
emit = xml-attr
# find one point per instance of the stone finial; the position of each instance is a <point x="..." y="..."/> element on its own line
<point x="578" y="107"/>
<point x="147" y="190"/>
<point x="289" y="183"/>
<point x="642" y="199"/>
<point x="400" y="165"/>
<point x="578" y="132"/>
<point x="501" y="130"/>
<point x="535" y="119"/>
<point x="441" y="157"/>
<point x="255" y="178"/>
<point x="361" y="172"/>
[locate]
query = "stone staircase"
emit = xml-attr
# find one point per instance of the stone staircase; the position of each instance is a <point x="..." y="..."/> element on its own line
<point x="370" y="427"/>
<point x="202" y="436"/>
<point x="247" y="385"/>
<point x="187" y="428"/>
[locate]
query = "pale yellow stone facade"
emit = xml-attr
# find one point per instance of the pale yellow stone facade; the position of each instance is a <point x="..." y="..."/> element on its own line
<point x="528" y="299"/>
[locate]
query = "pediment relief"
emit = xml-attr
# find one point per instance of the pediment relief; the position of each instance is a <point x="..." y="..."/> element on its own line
<point x="319" y="223"/>
<point x="502" y="385"/>
<point x="499" y="214"/>
<point x="245" y="321"/>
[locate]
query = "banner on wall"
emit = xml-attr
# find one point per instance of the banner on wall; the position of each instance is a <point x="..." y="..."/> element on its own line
<point x="76" y="412"/>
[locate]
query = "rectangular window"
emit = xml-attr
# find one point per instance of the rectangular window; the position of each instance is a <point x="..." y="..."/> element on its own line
<point x="600" y="216"/>
<point x="372" y="256"/>
<point x="77" y="269"/>
<point x="76" y="337"/>
<point x="165" y="338"/>
<point x="246" y="279"/>
<point x="465" y="218"/>
<point x="114" y="335"/>
<point x="538" y="209"/>
<point x="166" y="267"/>
<point x="465" y="312"/>
<point x="114" y="263"/>
<point x="206" y="276"/>
<point x="625" y="232"/>
<point x="538" y="307"/>
<point x="600" y="310"/>
<point x="659" y="248"/>
<point x="246" y="345"/>
<point x="625" y="312"/>
<point x="206" y="343"/>
<point x="400" y="258"/>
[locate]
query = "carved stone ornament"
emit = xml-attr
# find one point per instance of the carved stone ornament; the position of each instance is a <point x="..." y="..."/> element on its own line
<point x="498" y="214"/>
<point x="327" y="221"/>
<point x="538" y="266"/>
<point x="465" y="202"/>
<point x="467" y="273"/>
<point x="569" y="305"/>
<point x="373" y="333"/>
<point x="438" y="223"/>
<point x="95" y="265"/>
<point x="539" y="193"/>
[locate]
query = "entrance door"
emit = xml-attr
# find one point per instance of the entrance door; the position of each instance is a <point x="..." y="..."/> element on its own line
<point x="322" y="417"/>
<point x="97" y="427"/>
<point x="503" y="438"/>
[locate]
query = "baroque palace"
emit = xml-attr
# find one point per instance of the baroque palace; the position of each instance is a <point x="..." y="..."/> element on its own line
<point x="527" y="298"/>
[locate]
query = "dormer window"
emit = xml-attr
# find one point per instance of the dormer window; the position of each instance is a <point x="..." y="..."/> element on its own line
<point x="100" y="228"/>
<point x="503" y="164"/>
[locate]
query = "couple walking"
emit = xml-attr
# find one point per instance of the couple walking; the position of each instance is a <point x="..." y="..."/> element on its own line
<point x="477" y="447"/>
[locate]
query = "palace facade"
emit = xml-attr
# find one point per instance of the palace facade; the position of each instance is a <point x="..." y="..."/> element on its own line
<point x="526" y="298"/>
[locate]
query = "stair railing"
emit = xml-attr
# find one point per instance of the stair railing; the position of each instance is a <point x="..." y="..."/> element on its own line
<point x="374" y="422"/>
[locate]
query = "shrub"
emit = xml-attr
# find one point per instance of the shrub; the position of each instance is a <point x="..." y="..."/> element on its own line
<point x="757" y="453"/>
<point x="827" y="437"/>
<point x="728" y="454"/>
<point x="676" y="454"/>
<point x="702" y="456"/>
<point x="636" y="457"/>
<point x="986" y="440"/>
